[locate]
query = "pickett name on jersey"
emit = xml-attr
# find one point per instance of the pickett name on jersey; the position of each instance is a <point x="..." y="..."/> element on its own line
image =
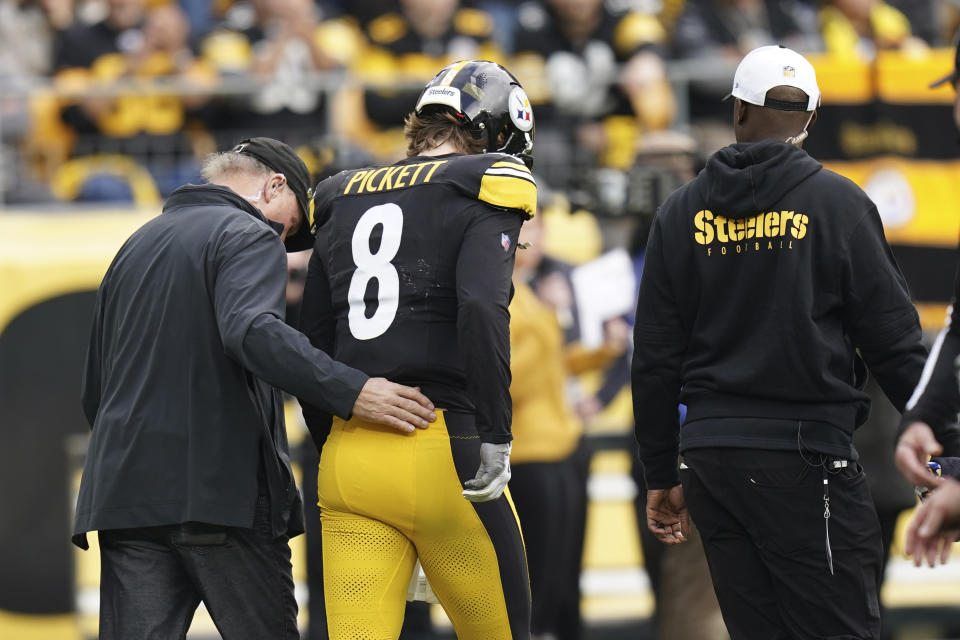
<point x="389" y="178"/>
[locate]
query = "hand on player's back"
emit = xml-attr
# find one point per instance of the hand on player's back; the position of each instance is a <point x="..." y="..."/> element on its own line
<point x="394" y="405"/>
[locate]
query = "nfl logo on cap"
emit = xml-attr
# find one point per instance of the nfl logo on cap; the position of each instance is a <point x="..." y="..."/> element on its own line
<point x="771" y="66"/>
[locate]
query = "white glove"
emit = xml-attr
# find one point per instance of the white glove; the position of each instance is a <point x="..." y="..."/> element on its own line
<point x="492" y="476"/>
<point x="419" y="588"/>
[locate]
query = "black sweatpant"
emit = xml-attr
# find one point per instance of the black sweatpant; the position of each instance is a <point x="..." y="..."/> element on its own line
<point x="761" y="516"/>
<point x="152" y="580"/>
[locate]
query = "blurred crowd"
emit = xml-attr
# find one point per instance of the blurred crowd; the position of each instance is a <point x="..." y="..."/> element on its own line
<point x="117" y="100"/>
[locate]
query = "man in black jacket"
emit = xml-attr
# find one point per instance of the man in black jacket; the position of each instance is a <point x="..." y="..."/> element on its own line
<point x="767" y="285"/>
<point x="930" y="423"/>
<point x="187" y="477"/>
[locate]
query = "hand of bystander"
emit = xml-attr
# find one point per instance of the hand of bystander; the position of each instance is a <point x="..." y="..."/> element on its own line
<point x="914" y="448"/>
<point x="394" y="405"/>
<point x="667" y="515"/>
<point x="935" y="525"/>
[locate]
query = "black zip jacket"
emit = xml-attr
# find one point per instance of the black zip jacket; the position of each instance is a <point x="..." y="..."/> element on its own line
<point x="762" y="278"/>
<point x="188" y="335"/>
<point x="936" y="400"/>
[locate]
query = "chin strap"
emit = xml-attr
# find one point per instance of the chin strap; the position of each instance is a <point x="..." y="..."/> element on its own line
<point x="525" y="154"/>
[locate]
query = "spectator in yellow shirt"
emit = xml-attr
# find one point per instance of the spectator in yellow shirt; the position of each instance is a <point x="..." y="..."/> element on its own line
<point x="549" y="461"/>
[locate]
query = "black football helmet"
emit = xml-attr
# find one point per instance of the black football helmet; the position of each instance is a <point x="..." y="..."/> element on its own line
<point x="490" y="100"/>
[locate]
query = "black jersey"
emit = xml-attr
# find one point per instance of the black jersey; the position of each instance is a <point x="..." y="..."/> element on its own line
<point x="936" y="400"/>
<point x="410" y="278"/>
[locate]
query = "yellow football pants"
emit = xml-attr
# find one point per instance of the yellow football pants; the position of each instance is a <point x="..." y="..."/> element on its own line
<point x="387" y="498"/>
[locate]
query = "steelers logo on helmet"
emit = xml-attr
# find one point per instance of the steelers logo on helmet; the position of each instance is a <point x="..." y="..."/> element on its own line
<point x="491" y="103"/>
<point x="520" y="111"/>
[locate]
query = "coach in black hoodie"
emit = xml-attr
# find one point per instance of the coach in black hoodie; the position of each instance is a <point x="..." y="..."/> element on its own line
<point x="767" y="285"/>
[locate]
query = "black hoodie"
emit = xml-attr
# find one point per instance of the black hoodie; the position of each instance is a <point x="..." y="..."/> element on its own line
<point x="762" y="278"/>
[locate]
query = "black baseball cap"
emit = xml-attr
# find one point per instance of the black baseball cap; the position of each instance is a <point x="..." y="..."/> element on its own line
<point x="952" y="78"/>
<point x="280" y="157"/>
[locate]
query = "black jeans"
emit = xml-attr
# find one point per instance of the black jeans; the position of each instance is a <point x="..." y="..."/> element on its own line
<point x="153" y="578"/>
<point x="761" y="516"/>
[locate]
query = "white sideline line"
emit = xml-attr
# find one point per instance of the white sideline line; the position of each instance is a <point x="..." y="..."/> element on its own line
<point x="632" y="581"/>
<point x="902" y="571"/>
<point x="611" y="487"/>
<point x="609" y="582"/>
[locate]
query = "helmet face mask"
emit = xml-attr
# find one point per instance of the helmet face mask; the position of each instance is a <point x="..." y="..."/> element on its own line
<point x="491" y="102"/>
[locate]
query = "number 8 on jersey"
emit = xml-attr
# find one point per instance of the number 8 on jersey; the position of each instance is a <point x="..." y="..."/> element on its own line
<point x="375" y="266"/>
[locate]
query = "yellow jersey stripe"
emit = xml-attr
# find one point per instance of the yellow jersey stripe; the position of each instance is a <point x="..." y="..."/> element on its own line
<point x="509" y="192"/>
<point x="519" y="166"/>
<point x="454" y="70"/>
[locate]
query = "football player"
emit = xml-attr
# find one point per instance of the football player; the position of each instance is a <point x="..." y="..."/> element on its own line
<point x="411" y="278"/>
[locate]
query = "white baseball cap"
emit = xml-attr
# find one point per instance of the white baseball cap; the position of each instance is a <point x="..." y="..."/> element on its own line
<point x="773" y="66"/>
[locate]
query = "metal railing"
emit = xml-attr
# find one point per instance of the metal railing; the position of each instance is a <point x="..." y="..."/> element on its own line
<point x="235" y="87"/>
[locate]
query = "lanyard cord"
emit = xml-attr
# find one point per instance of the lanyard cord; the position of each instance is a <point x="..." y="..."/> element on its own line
<point x="826" y="517"/>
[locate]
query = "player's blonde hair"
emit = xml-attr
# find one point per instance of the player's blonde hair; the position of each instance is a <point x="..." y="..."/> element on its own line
<point x="431" y="128"/>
